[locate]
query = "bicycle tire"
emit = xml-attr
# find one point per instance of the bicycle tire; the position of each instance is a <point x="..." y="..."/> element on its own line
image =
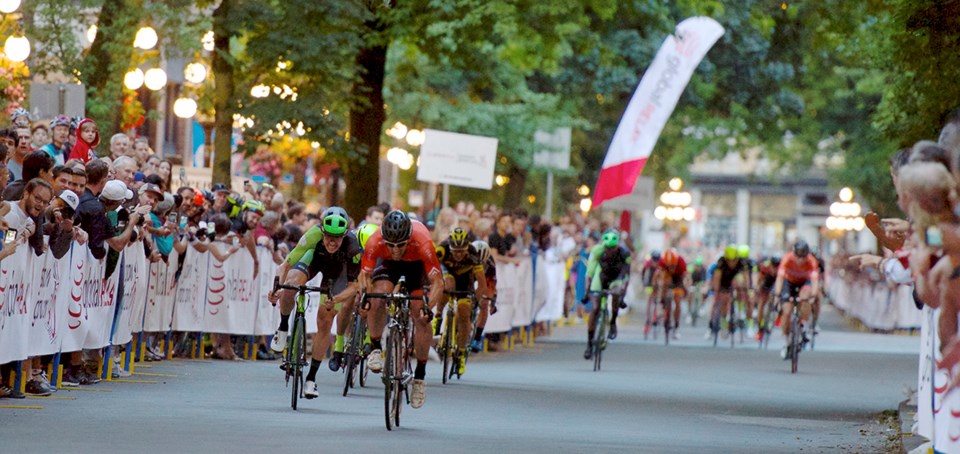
<point x="732" y="324"/>
<point x="813" y="330"/>
<point x="297" y="347"/>
<point x="447" y="343"/>
<point x="715" y="322"/>
<point x="696" y="301"/>
<point x="600" y="337"/>
<point x="795" y="341"/>
<point x="349" y="356"/>
<point x="363" y="372"/>
<point x="390" y="384"/>
<point x="667" y="321"/>
<point x="401" y="371"/>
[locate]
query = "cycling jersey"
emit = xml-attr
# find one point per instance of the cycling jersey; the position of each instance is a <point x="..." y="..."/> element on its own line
<point x="727" y="274"/>
<point x="308" y="242"/>
<point x="607" y="265"/>
<point x="768" y="275"/>
<point x="418" y="261"/>
<point x="699" y="274"/>
<point x="345" y="260"/>
<point x="678" y="272"/>
<point x="462" y="270"/>
<point x="796" y="270"/>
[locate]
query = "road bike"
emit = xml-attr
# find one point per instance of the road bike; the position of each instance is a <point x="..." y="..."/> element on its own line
<point x="602" y="328"/>
<point x="449" y="349"/>
<point x="397" y="372"/>
<point x="355" y="352"/>
<point x="798" y="336"/>
<point x="694" y="303"/>
<point x="770" y="314"/>
<point x="295" y="358"/>
<point x="667" y="301"/>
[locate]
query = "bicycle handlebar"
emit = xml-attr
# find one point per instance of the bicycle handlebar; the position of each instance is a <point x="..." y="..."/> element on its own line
<point x="402" y="296"/>
<point x="460" y="293"/>
<point x="297" y="288"/>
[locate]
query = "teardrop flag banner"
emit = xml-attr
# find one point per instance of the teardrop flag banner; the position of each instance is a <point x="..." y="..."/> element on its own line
<point x="652" y="104"/>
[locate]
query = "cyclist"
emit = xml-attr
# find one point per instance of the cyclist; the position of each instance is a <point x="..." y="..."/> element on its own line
<point x="461" y="266"/>
<point x="488" y="303"/>
<point x="698" y="276"/>
<point x="797" y="277"/>
<point x="766" y="277"/>
<point x="336" y="254"/>
<point x="344" y="315"/>
<point x="608" y="268"/>
<point x="669" y="276"/>
<point x="646" y="275"/>
<point x="405" y="248"/>
<point x="745" y="285"/>
<point x="728" y="267"/>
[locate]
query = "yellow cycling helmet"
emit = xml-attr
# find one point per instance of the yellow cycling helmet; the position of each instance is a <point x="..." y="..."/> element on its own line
<point x="364" y="232"/>
<point x="731" y="252"/>
<point x="458" y="239"/>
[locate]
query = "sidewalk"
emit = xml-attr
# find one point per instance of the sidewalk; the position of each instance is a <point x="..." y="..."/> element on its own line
<point x="906" y="413"/>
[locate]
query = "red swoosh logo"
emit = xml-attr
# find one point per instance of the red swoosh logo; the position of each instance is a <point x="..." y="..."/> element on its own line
<point x="75" y="297"/>
<point x="217" y="278"/>
<point x="955" y="413"/>
<point x="3" y="289"/>
<point x="71" y="325"/>
<point x="214" y="312"/>
<point x="74" y="314"/>
<point x="218" y="290"/>
<point x="940" y="390"/>
<point x="80" y="265"/>
<point x="3" y="271"/>
<point x="218" y="265"/>
<point x="78" y="283"/>
<point x="216" y="303"/>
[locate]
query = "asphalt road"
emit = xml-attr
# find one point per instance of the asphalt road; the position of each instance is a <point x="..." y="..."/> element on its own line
<point x="689" y="397"/>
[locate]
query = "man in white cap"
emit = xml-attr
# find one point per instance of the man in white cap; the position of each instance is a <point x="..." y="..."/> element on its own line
<point x="59" y="223"/>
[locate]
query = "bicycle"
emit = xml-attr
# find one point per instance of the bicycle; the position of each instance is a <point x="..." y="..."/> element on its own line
<point x="296" y="355"/>
<point x="768" y="321"/>
<point x="449" y="350"/>
<point x="666" y="300"/>
<point x="694" y="303"/>
<point x="355" y="353"/>
<point x="798" y="335"/>
<point x="603" y="323"/>
<point x="397" y="373"/>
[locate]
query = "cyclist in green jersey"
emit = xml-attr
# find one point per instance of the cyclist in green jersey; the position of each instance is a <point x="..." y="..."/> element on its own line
<point x="344" y="315"/>
<point x="337" y="252"/>
<point x="607" y="268"/>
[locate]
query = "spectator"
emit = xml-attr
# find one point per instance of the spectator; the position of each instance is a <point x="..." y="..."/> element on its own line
<point x="37" y="164"/>
<point x="502" y="242"/>
<point x="39" y="136"/>
<point x="58" y="148"/>
<point x="88" y="138"/>
<point x="141" y="149"/>
<point x="58" y="223"/>
<point x="165" y="170"/>
<point x="265" y="194"/>
<point x="151" y="165"/>
<point x="4" y="172"/>
<point x="297" y="215"/>
<point x="9" y="138"/>
<point x="119" y="146"/>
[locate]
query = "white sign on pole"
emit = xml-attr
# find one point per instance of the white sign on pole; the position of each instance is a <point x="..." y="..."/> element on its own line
<point x="553" y="149"/>
<point x="457" y="159"/>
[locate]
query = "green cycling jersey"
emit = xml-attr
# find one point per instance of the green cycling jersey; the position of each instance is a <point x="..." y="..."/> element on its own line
<point x="308" y="242"/>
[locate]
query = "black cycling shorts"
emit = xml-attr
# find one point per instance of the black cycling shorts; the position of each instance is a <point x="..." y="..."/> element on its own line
<point x="391" y="270"/>
<point x="791" y="290"/>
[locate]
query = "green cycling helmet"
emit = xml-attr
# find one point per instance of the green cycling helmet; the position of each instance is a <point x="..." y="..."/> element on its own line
<point x="334" y="221"/>
<point x="610" y="238"/>
<point x="253" y="205"/>
<point x="743" y="251"/>
<point x="730" y="253"/>
<point x="698" y="261"/>
<point x="364" y="232"/>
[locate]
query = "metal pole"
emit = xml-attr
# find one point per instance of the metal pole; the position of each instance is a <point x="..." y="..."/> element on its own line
<point x="548" y="213"/>
<point x="446" y="195"/>
<point x="394" y="183"/>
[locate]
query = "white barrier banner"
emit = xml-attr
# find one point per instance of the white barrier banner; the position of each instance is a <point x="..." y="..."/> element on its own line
<point x="190" y="298"/>
<point x="523" y="304"/>
<point x="160" y="294"/>
<point x="506" y="299"/>
<point x="268" y="316"/>
<point x="551" y="282"/>
<point x="98" y="297"/>
<point x="136" y="281"/>
<point x="231" y="295"/>
<point x="925" y="394"/>
<point x="49" y="309"/>
<point x="14" y="315"/>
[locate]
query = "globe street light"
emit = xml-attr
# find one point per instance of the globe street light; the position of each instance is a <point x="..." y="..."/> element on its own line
<point x="195" y="73"/>
<point x="17" y="48"/>
<point x="207" y="41"/>
<point x="92" y="33"/>
<point x="133" y="79"/>
<point x="155" y="79"/>
<point x="9" y="6"/>
<point x="415" y="137"/>
<point x="185" y="107"/>
<point x="146" y="38"/>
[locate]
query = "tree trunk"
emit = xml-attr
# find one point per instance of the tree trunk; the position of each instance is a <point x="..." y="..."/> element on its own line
<point x="366" y="123"/>
<point x="103" y="67"/>
<point x="299" y="180"/>
<point x="222" y="93"/>
<point x="513" y="197"/>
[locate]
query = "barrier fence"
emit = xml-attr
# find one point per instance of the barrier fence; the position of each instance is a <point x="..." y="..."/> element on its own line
<point x="51" y="306"/>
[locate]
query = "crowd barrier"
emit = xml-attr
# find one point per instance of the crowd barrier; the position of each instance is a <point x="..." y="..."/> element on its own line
<point x="875" y="304"/>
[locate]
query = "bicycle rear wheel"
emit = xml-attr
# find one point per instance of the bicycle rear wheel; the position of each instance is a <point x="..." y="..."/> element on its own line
<point x="600" y="337"/>
<point x="350" y="358"/>
<point x="297" y="354"/>
<point x="667" y="321"/>
<point x="446" y="343"/>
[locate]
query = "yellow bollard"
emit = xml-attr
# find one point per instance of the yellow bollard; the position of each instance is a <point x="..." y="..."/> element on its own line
<point x="143" y="350"/>
<point x="109" y="365"/>
<point x="485" y="346"/>
<point x="60" y="376"/>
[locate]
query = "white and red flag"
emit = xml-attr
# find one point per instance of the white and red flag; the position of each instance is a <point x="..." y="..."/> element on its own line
<point x="652" y="104"/>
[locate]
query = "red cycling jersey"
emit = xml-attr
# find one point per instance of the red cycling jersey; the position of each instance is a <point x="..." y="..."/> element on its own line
<point x="797" y="270"/>
<point x="680" y="270"/>
<point x="420" y="248"/>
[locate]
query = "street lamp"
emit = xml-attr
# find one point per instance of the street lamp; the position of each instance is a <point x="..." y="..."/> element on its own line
<point x="146" y="38"/>
<point x="415" y="137"/>
<point x="583" y="190"/>
<point x="585" y="204"/>
<point x="133" y="79"/>
<point x="397" y="131"/>
<point x="845" y="215"/>
<point x="675" y="204"/>
<point x="92" y="33"/>
<point x="195" y="73"/>
<point x="9" y="6"/>
<point x="185" y="107"/>
<point x="17" y="48"/>
<point x="207" y="41"/>
<point x="155" y="79"/>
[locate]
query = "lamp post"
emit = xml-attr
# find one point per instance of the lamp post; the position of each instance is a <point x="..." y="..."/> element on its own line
<point x="674" y="208"/>
<point x="845" y="216"/>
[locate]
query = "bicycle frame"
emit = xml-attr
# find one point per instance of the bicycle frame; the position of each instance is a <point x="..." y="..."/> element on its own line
<point x="296" y="355"/>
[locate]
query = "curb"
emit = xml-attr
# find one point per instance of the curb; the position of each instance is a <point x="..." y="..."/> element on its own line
<point x="906" y="413"/>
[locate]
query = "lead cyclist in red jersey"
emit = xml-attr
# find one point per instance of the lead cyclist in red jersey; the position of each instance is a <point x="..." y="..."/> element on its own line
<point x="798" y="277"/>
<point x="405" y="249"/>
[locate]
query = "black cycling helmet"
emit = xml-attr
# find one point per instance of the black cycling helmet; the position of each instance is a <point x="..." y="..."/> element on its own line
<point x="458" y="239"/>
<point x="775" y="260"/>
<point x="396" y="227"/>
<point x="219" y="187"/>
<point x="655" y="255"/>
<point x="334" y="221"/>
<point x="801" y="248"/>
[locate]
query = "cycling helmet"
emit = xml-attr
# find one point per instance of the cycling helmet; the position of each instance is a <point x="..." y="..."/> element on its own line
<point x="801" y="248"/>
<point x="396" y="227"/>
<point x="671" y="257"/>
<point x="698" y="261"/>
<point x="334" y="221"/>
<point x="730" y="252"/>
<point x="483" y="250"/>
<point x="61" y="120"/>
<point x="743" y="251"/>
<point x="458" y="239"/>
<point x="253" y="205"/>
<point x="775" y="260"/>
<point x="364" y="232"/>
<point x="219" y="187"/>
<point x="655" y="256"/>
<point x="21" y="112"/>
<point x="610" y="238"/>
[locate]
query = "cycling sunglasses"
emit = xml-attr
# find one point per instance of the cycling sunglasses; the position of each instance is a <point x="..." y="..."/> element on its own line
<point x="396" y="245"/>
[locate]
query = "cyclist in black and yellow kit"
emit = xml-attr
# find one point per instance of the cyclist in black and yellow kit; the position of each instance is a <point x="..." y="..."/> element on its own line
<point x="461" y="266"/>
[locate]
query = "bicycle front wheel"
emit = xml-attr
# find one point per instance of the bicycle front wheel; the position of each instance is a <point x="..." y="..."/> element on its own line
<point x="298" y="347"/>
<point x="391" y="383"/>
<point x="350" y="359"/>
<point x="795" y="342"/>
<point x="446" y="344"/>
<point x="600" y="338"/>
<point x="667" y="321"/>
